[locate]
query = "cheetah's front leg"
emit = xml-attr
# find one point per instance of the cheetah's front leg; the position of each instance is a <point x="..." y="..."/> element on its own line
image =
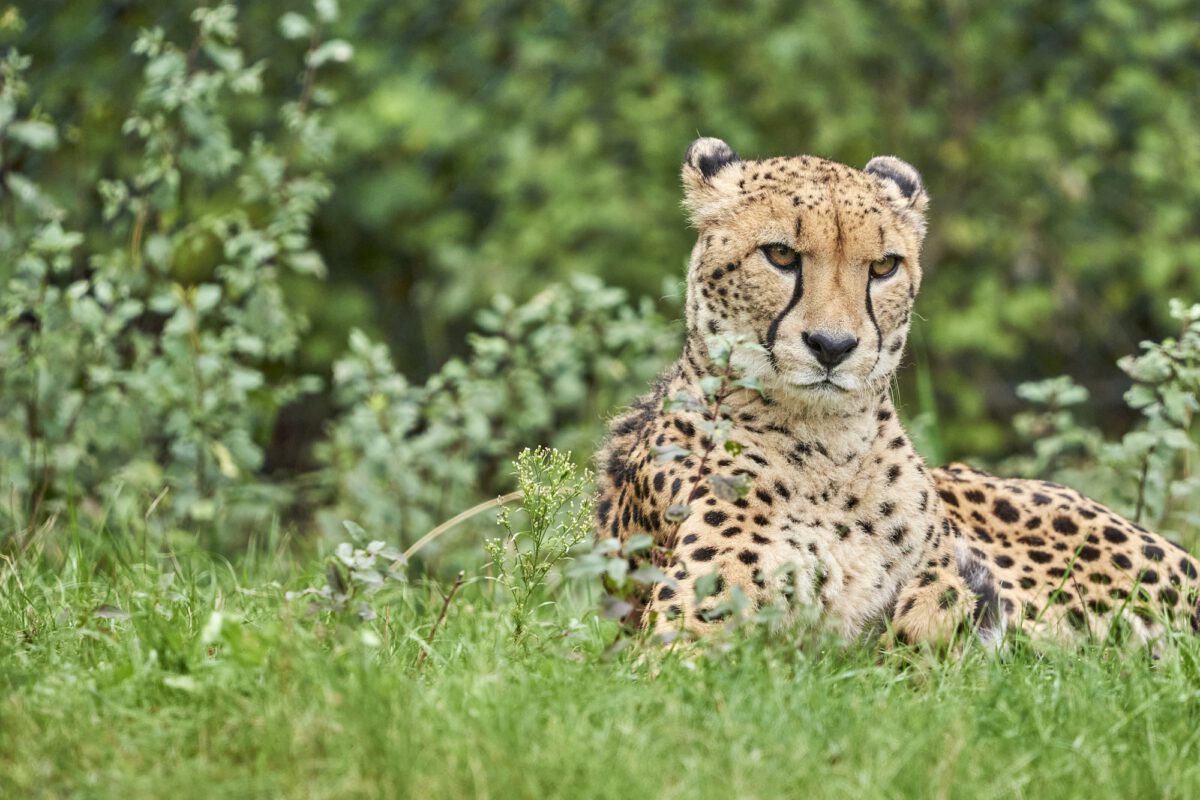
<point x="953" y="593"/>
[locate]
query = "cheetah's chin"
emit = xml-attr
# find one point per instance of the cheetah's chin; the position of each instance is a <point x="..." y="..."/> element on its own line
<point x="825" y="384"/>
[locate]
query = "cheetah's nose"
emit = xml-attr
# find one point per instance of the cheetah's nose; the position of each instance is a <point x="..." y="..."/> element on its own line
<point x="830" y="350"/>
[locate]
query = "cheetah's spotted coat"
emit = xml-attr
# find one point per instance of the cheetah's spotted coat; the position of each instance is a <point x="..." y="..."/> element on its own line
<point x="842" y="509"/>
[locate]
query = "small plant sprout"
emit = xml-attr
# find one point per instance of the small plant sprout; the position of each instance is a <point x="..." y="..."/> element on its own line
<point x="357" y="570"/>
<point x="631" y="568"/>
<point x="717" y="424"/>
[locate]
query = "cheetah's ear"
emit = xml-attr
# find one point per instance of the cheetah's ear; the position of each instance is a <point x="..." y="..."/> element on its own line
<point x="708" y="178"/>
<point x="903" y="186"/>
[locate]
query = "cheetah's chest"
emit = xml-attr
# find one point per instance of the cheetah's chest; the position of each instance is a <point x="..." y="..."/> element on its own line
<point x="854" y="536"/>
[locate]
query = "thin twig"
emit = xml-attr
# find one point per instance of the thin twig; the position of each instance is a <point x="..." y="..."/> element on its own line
<point x="1141" y="496"/>
<point x="458" y="582"/>
<point x="308" y="81"/>
<point x="135" y="239"/>
<point x="712" y="415"/>
<point x="457" y="518"/>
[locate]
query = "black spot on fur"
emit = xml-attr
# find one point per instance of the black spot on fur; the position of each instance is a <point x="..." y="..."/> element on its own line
<point x="1076" y="618"/>
<point x="1113" y="535"/>
<point x="1005" y="511"/>
<point x="1065" y="525"/>
<point x="711" y="163"/>
<point x="908" y="185"/>
<point x="948" y="598"/>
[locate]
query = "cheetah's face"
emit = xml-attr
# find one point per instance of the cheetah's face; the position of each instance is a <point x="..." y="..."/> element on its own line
<point x="817" y="261"/>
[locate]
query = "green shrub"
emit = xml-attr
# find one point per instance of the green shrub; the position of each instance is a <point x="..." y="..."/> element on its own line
<point x="489" y="147"/>
<point x="143" y="362"/>
<point x="402" y="457"/>
<point x="1149" y="474"/>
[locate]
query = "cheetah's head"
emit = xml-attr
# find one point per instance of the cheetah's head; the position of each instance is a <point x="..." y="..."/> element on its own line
<point x="817" y="261"/>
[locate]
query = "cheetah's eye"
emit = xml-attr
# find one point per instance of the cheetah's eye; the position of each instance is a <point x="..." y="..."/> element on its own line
<point x="885" y="266"/>
<point x="781" y="256"/>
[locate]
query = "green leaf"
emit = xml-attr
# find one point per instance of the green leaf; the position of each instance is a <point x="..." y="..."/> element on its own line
<point x="617" y="569"/>
<point x="34" y="134"/>
<point x="591" y="565"/>
<point x="750" y="382"/>
<point x="638" y="543"/>
<point x="663" y="454"/>
<point x="1138" y="443"/>
<point x="1140" y="396"/>
<point x="294" y="26"/>
<point x="730" y="489"/>
<point x="677" y="512"/>
<point x="335" y="50"/>
<point x="614" y="607"/>
<point x="1176" y="439"/>
<point x="684" y="401"/>
<point x="327" y="10"/>
<point x="648" y="575"/>
<point x="707" y="585"/>
<point x="355" y="530"/>
<point x="207" y="296"/>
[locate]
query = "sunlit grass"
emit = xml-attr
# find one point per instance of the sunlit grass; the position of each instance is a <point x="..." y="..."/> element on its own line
<point x="117" y="681"/>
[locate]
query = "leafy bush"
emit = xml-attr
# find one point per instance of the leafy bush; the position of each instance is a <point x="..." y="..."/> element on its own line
<point x="142" y="363"/>
<point x="402" y="457"/>
<point x="489" y="147"/>
<point x="1148" y="474"/>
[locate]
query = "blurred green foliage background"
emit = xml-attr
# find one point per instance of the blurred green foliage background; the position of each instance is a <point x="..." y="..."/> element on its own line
<point x="489" y="147"/>
<point x="494" y="146"/>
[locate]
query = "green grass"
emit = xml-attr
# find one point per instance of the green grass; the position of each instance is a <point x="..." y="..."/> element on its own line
<point x="283" y="704"/>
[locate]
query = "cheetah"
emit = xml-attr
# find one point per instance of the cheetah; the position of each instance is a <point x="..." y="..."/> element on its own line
<point x="820" y="265"/>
